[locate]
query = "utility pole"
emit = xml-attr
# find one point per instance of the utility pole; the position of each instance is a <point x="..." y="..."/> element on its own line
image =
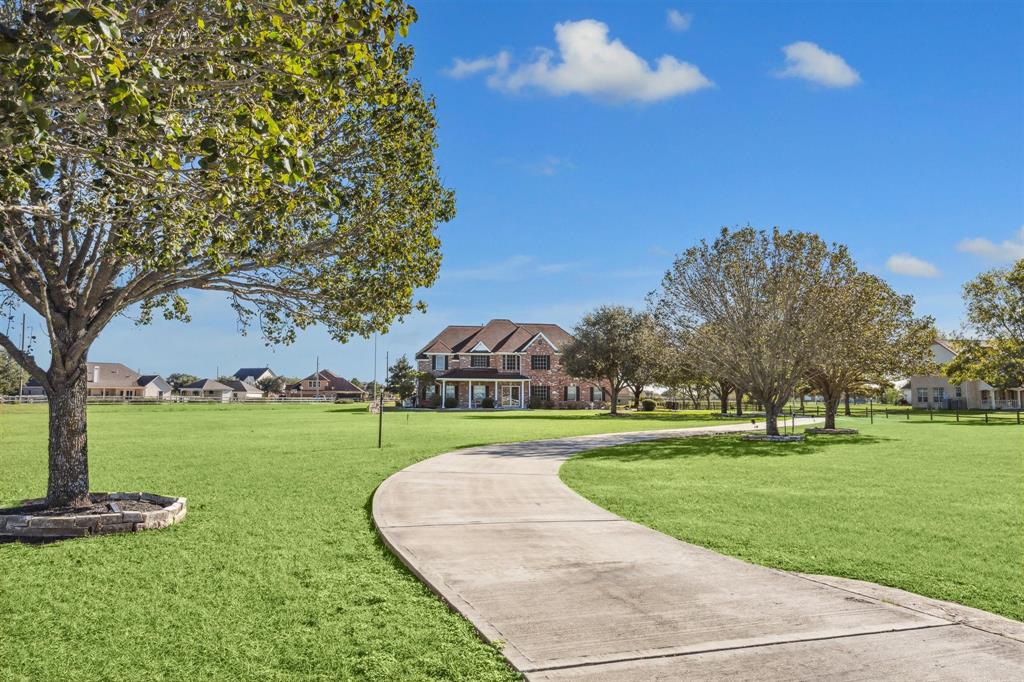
<point x="380" y="407"/>
<point x="318" y="378"/>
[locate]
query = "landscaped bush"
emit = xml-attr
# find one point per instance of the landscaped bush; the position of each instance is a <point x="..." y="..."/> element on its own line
<point x="649" y="405"/>
<point x="451" y="402"/>
<point x="536" y="403"/>
<point x="487" y="402"/>
<point x="573" y="405"/>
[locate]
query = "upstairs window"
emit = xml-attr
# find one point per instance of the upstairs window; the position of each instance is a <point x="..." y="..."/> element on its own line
<point x="479" y="361"/>
<point x="439" y="362"/>
<point x="510" y="363"/>
<point x="314" y="383"/>
<point x="540" y="362"/>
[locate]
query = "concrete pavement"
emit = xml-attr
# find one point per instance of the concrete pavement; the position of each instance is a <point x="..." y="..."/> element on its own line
<point x="570" y="591"/>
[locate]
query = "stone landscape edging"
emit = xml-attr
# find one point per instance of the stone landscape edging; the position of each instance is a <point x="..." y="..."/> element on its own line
<point x="34" y="526"/>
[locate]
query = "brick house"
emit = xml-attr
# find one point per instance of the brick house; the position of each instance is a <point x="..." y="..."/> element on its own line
<point x="327" y="385"/>
<point x="514" y="363"/>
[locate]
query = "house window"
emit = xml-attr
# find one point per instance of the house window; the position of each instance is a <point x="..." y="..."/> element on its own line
<point x="938" y="395"/>
<point x="959" y="392"/>
<point x="572" y="392"/>
<point x="479" y="361"/>
<point x="314" y="383"/>
<point x="596" y="393"/>
<point x="429" y="391"/>
<point x="479" y="393"/>
<point x="540" y="362"/>
<point x="450" y="391"/>
<point x="540" y="392"/>
<point x="510" y="363"/>
<point x="439" y="362"/>
<point x="922" y="395"/>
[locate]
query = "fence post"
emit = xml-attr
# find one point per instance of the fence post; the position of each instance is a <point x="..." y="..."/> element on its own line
<point x="1018" y="416"/>
<point x="958" y="412"/>
<point x="986" y="417"/>
<point x="871" y="410"/>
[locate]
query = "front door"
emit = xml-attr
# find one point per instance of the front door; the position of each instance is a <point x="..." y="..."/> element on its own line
<point x="510" y="396"/>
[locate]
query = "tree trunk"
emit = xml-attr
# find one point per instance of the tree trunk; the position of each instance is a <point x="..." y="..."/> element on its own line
<point x="723" y="395"/>
<point x="831" y="408"/>
<point x="637" y="391"/>
<point x="615" y="399"/>
<point x="739" y="403"/>
<point x="771" y="420"/>
<point x="68" y="484"/>
<point x="846" y="404"/>
<point x="802" y="409"/>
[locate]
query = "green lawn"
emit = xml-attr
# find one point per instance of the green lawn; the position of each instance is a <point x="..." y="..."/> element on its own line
<point x="276" y="573"/>
<point x="936" y="508"/>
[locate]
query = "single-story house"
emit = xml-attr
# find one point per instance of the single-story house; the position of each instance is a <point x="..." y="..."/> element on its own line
<point x="114" y="380"/>
<point x="936" y="392"/>
<point x="208" y="389"/>
<point x="243" y="390"/>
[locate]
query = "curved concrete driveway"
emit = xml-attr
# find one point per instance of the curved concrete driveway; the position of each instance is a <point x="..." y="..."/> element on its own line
<point x="568" y="590"/>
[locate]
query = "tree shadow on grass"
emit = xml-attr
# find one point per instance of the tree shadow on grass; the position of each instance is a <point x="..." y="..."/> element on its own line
<point x="730" y="446"/>
<point x="638" y="416"/>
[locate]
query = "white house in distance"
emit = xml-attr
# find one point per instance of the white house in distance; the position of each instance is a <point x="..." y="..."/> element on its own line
<point x="253" y="375"/>
<point x="935" y="391"/>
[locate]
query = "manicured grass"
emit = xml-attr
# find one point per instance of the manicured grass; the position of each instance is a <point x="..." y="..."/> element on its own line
<point x="276" y="573"/>
<point x="936" y="508"/>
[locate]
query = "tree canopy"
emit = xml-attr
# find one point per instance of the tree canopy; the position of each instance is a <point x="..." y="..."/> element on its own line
<point x="604" y="348"/>
<point x="402" y="378"/>
<point x="278" y="152"/>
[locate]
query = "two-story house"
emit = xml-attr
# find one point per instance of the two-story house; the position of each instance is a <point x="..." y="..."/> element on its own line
<point x="936" y="392"/>
<point x="327" y="385"/>
<point x="513" y="363"/>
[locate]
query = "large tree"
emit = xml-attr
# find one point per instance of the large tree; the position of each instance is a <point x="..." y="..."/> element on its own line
<point x="604" y="349"/>
<point x="178" y="380"/>
<point x="278" y="152"/>
<point x="873" y="336"/>
<point x="648" y="355"/>
<point x="992" y="349"/>
<point x="751" y="296"/>
<point x="11" y="375"/>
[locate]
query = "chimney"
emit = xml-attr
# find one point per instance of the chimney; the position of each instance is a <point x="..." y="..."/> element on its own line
<point x="95" y="373"/>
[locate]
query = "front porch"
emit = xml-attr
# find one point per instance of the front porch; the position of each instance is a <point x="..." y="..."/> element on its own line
<point x="464" y="389"/>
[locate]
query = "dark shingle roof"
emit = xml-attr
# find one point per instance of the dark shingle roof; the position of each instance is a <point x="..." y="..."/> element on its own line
<point x="208" y="385"/>
<point x="334" y="383"/>
<point x="497" y="336"/>
<point x="254" y="372"/>
<point x="483" y="373"/>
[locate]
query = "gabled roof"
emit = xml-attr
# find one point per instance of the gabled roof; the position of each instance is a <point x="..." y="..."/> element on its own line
<point x="147" y="379"/>
<point x="207" y="385"/>
<point x="499" y="336"/>
<point x="334" y="382"/>
<point x="111" y="375"/>
<point x="254" y="372"/>
<point x="236" y="385"/>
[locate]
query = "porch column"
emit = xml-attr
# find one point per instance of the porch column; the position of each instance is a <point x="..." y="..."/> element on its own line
<point x="469" y="395"/>
<point x="522" y="393"/>
<point x="444" y="393"/>
<point x="494" y="396"/>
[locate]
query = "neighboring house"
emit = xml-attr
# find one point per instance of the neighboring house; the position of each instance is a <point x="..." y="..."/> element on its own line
<point x="511" y="362"/>
<point x="327" y="385"/>
<point x="114" y="380"/>
<point x="208" y="389"/>
<point x="935" y="391"/>
<point x="243" y="390"/>
<point x="254" y="375"/>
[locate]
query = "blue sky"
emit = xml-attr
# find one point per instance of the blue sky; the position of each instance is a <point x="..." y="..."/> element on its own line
<point x="581" y="166"/>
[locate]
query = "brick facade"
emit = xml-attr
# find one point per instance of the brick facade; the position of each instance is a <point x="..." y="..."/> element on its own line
<point x="554" y="378"/>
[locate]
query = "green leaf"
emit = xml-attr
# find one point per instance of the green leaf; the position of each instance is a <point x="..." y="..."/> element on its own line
<point x="47" y="169"/>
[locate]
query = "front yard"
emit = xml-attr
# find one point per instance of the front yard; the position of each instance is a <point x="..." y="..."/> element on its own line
<point x="936" y="508"/>
<point x="276" y="573"/>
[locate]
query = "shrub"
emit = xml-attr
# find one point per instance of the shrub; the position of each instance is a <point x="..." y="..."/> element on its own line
<point x="649" y="405"/>
<point x="487" y="402"/>
<point x="451" y="402"/>
<point x="549" y="404"/>
<point x="573" y="405"/>
<point x="536" y="403"/>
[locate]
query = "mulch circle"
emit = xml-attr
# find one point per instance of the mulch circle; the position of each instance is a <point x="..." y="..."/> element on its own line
<point x="33" y="521"/>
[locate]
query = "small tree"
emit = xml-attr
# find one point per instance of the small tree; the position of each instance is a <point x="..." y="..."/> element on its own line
<point x="647" y="356"/>
<point x="402" y="378"/>
<point x="11" y="375"/>
<point x="751" y="294"/>
<point x="277" y="152"/>
<point x="873" y="334"/>
<point x="179" y="379"/>
<point x="270" y="385"/>
<point x="603" y="349"/>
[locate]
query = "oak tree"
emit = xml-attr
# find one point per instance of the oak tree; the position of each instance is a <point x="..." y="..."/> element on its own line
<point x="278" y="152"/>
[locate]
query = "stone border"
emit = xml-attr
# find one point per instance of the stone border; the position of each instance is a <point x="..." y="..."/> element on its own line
<point x="774" y="439"/>
<point x="832" y="432"/>
<point x="32" y="527"/>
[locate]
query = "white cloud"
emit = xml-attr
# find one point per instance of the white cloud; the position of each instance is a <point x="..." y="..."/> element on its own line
<point x="511" y="269"/>
<point x="1008" y="250"/>
<point x="678" y="21"/>
<point x="461" y="68"/>
<point x="808" y="61"/>
<point x="589" y="63"/>
<point x="905" y="264"/>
